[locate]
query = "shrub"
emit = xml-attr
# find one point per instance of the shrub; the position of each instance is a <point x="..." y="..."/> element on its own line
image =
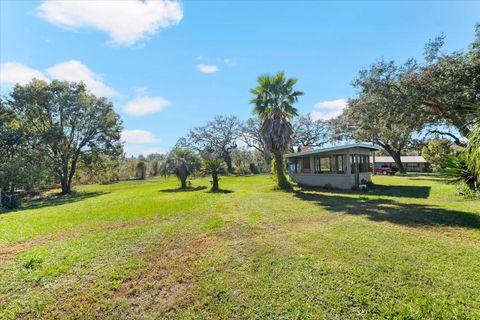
<point x="458" y="170"/>
<point x="11" y="201"/>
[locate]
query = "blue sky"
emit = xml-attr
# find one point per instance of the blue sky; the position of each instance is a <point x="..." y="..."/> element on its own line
<point x="168" y="67"/>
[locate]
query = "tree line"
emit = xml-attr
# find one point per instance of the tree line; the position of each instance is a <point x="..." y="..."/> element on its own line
<point x="58" y="134"/>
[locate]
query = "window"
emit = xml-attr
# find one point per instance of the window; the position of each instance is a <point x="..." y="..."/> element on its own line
<point x="339" y="164"/>
<point x="306" y="165"/>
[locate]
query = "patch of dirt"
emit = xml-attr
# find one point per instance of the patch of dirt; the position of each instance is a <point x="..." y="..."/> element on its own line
<point x="8" y="252"/>
<point x="168" y="278"/>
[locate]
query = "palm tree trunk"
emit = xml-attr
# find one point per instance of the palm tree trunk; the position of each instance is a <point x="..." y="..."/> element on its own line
<point x="280" y="172"/>
<point x="214" y="181"/>
<point x="184" y="183"/>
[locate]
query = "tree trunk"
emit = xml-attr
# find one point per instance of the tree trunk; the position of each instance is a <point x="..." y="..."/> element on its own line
<point x="214" y="181"/>
<point x="65" y="185"/>
<point x="228" y="160"/>
<point x="398" y="161"/>
<point x="280" y="172"/>
<point x="184" y="183"/>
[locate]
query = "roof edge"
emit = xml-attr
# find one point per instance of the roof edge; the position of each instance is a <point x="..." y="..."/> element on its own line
<point x="336" y="148"/>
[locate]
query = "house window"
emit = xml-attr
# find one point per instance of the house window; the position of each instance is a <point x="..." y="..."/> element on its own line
<point x="339" y="163"/>
<point x="306" y="165"/>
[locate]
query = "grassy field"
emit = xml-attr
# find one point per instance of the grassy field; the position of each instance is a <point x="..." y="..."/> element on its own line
<point x="409" y="249"/>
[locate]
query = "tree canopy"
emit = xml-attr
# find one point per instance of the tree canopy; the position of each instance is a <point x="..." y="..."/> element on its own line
<point x="65" y="123"/>
<point x="217" y="137"/>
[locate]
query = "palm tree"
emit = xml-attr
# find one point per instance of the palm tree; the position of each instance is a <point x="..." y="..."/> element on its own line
<point x="214" y="167"/>
<point x="274" y="99"/>
<point x="182" y="163"/>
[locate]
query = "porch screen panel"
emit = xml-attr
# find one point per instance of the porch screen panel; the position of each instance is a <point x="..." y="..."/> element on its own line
<point x="293" y="164"/>
<point x="306" y="165"/>
<point x="353" y="163"/>
<point x="339" y="164"/>
<point x="364" y="163"/>
<point x="325" y="165"/>
<point x="316" y="165"/>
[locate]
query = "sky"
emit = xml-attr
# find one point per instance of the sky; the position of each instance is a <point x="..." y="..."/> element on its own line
<point x="170" y="66"/>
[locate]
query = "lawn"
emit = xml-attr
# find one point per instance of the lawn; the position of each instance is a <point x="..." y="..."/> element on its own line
<point x="409" y="249"/>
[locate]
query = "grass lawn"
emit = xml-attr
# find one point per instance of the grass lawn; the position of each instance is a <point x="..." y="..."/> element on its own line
<point x="410" y="249"/>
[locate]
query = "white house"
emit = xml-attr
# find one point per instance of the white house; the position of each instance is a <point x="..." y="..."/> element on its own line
<point x="342" y="167"/>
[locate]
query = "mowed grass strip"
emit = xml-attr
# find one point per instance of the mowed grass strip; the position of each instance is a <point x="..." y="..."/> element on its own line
<point x="409" y="249"/>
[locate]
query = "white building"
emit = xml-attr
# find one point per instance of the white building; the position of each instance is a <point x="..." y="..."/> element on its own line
<point x="342" y="167"/>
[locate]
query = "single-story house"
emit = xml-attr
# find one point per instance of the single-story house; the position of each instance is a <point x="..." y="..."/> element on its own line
<point x="342" y="167"/>
<point x="411" y="163"/>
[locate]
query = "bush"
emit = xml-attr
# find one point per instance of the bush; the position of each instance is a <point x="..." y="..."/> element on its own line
<point x="11" y="201"/>
<point x="467" y="192"/>
<point x="458" y="170"/>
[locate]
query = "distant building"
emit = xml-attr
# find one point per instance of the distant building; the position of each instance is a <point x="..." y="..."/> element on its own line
<point x="411" y="163"/>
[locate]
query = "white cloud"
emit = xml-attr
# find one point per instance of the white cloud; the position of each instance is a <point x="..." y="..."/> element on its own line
<point x="12" y="73"/>
<point x="76" y="71"/>
<point x="138" y="137"/>
<point x="338" y="104"/>
<point x="206" y="68"/>
<point x="318" y="115"/>
<point x="73" y="70"/>
<point x="140" y="142"/>
<point x="126" y="22"/>
<point x="144" y="105"/>
<point x="328" y="109"/>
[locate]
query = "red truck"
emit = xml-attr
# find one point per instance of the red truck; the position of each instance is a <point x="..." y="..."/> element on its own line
<point x="385" y="169"/>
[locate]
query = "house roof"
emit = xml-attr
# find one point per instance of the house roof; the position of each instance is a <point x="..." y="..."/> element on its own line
<point x="336" y="148"/>
<point x="405" y="159"/>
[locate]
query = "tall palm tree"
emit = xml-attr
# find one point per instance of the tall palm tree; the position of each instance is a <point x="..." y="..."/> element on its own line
<point x="273" y="99"/>
<point x="182" y="163"/>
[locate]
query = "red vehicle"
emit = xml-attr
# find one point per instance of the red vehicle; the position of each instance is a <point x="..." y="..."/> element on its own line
<point x="385" y="169"/>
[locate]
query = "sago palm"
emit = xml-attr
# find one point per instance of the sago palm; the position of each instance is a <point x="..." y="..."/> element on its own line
<point x="182" y="163"/>
<point x="273" y="99"/>
<point x="214" y="167"/>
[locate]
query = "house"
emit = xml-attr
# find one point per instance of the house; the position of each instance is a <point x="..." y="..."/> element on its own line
<point x="411" y="163"/>
<point x="342" y="167"/>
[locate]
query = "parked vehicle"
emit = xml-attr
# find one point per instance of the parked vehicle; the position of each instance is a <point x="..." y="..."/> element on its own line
<point x="385" y="169"/>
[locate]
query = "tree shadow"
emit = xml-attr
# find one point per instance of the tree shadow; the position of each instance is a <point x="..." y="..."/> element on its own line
<point x="55" y="200"/>
<point x="184" y="190"/>
<point x="221" y="191"/>
<point x="378" y="190"/>
<point x="400" y="191"/>
<point x="380" y="210"/>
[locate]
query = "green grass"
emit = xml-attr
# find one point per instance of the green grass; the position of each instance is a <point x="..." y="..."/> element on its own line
<point x="409" y="249"/>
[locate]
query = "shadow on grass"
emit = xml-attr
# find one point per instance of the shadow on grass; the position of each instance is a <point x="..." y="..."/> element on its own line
<point x="56" y="200"/>
<point x="221" y="191"/>
<point x="184" y="190"/>
<point x="378" y="190"/>
<point x="400" y="191"/>
<point x="379" y="210"/>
